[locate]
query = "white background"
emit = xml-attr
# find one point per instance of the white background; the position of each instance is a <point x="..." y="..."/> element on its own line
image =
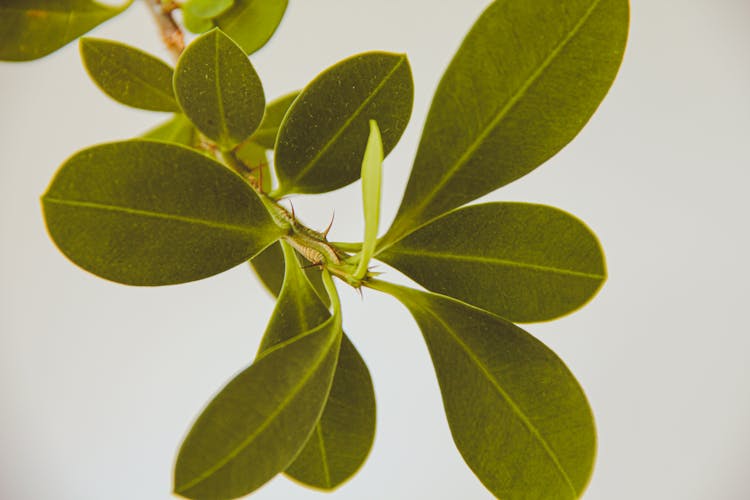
<point x="99" y="382"/>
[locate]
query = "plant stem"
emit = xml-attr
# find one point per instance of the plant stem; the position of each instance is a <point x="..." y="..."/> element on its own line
<point x="235" y="164"/>
<point x="171" y="33"/>
<point x="348" y="247"/>
<point x="332" y="294"/>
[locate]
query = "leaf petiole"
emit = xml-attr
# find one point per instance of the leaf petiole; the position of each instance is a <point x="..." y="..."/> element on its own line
<point x="333" y="294"/>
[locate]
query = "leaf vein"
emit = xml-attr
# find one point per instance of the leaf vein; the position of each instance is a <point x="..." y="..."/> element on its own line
<point x="266" y="423"/>
<point x="155" y="215"/>
<point x="224" y="134"/>
<point x="495" y="260"/>
<point x="322" y="151"/>
<point x="511" y="403"/>
<point x="136" y="76"/>
<point x="507" y="107"/>
<point x="323" y="454"/>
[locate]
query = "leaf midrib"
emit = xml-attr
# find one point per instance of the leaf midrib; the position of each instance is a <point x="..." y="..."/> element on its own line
<point x="511" y="403"/>
<point x="224" y="135"/>
<point x="155" y="215"/>
<point x="322" y="151"/>
<point x="507" y="107"/>
<point x="323" y="453"/>
<point x="497" y="261"/>
<point x="285" y="402"/>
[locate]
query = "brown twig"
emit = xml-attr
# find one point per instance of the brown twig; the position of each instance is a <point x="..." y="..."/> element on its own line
<point x="171" y="33"/>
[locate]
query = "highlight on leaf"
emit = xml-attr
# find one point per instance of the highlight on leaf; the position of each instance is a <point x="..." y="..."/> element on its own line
<point x="207" y="9"/>
<point x="372" y="167"/>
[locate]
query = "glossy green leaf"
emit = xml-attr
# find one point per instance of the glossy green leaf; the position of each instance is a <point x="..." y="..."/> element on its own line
<point x="521" y="261"/>
<point x="177" y="129"/>
<point x="207" y="9"/>
<point x="516" y="413"/>
<point x="151" y="213"/>
<point x="372" y="166"/>
<point x="269" y="267"/>
<point x="323" y="136"/>
<point x="251" y="23"/>
<point x="128" y="75"/>
<point x="269" y="127"/>
<point x="344" y="434"/>
<point x="257" y="424"/>
<point x="34" y="28"/>
<point x="524" y="82"/>
<point x="195" y="24"/>
<point x="219" y="90"/>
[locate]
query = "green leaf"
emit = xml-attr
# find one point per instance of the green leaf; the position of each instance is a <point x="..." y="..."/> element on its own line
<point x="372" y="166"/>
<point x="128" y="75"/>
<point x="269" y="127"/>
<point x="207" y="9"/>
<point x="526" y="79"/>
<point x="344" y="434"/>
<point x="151" y="213"/>
<point x="323" y="136"/>
<point x="343" y="437"/>
<point x="219" y="90"/>
<point x="516" y="413"/>
<point x="34" y="28"/>
<point x="257" y="424"/>
<point x="177" y="129"/>
<point x="521" y="261"/>
<point x="195" y="24"/>
<point x="251" y="23"/>
<point x="269" y="267"/>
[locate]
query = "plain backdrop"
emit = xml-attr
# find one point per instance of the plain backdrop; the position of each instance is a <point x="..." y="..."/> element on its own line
<point x="99" y="382"/>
